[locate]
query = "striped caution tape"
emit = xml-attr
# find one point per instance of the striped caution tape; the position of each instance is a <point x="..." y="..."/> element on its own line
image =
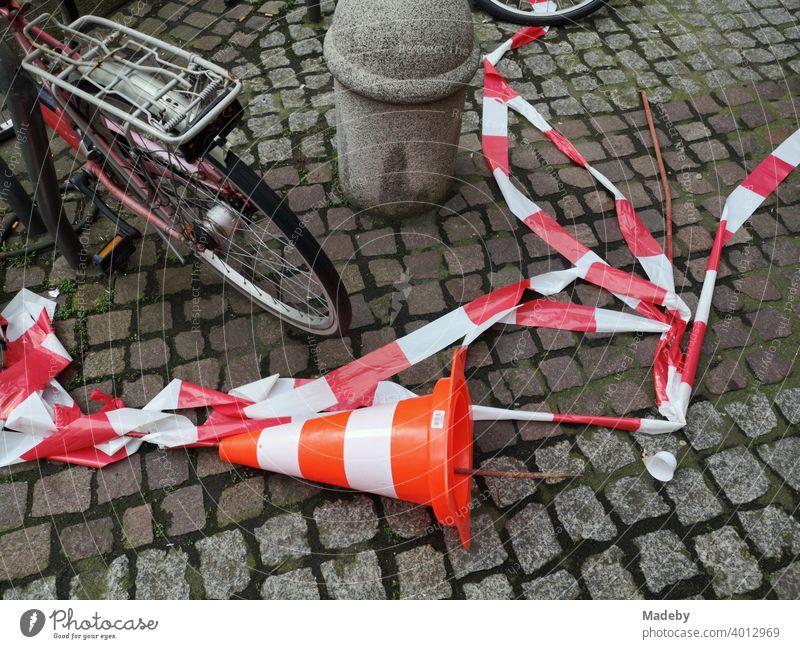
<point x="739" y="207"/>
<point x="38" y="418"/>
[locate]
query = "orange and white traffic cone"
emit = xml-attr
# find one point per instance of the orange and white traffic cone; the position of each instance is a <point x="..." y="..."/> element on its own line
<point x="408" y="450"/>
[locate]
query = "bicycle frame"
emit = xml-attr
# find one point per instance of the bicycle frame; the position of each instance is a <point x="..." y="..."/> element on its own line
<point x="75" y="131"/>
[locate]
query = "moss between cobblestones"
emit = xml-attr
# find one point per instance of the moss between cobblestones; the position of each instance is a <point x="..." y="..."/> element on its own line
<point x="93" y="574"/>
<point x="196" y="588"/>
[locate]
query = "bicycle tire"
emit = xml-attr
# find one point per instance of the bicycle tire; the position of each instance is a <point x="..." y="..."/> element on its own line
<point x="521" y="17"/>
<point x="264" y="198"/>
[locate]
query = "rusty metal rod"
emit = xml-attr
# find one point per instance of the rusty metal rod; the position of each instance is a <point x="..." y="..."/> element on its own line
<point x="663" y="173"/>
<point x="520" y="475"/>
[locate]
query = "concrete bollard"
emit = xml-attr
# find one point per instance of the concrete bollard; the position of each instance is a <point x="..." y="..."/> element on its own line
<point x="401" y="69"/>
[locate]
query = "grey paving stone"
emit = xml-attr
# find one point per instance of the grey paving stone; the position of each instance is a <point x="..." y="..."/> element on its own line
<point x="241" y="501"/>
<point x="694" y="501"/>
<point x="209" y="463"/>
<point x="486" y="550"/>
<point x="739" y="474"/>
<point x="784" y="457"/>
<point x="137" y="526"/>
<point x="705" y="426"/>
<point x="493" y="587"/>
<point x="161" y="574"/>
<point x="106" y="327"/>
<point x="558" y="457"/>
<point x="634" y="500"/>
<point x="284" y="490"/>
<point x="295" y="584"/>
<point x="533" y="537"/>
<point x="104" y="362"/>
<point x="282" y="537"/>
<point x="224" y="564"/>
<point x="87" y="539"/>
<point x="185" y="510"/>
<point x="166" y="468"/>
<point x="354" y="577"/>
<point x="407" y="520"/>
<point x="754" y="416"/>
<point x="40" y="589"/>
<point x="346" y="521"/>
<point x="507" y="491"/>
<point x="13" y="503"/>
<point x="137" y="393"/>
<point x="25" y="552"/>
<point x="102" y="581"/>
<point x="664" y="560"/>
<point x="652" y="444"/>
<point x="120" y="479"/>
<point x="64" y="492"/>
<point x="606" y="449"/>
<point x="786" y="582"/>
<point x="556" y="585"/>
<point x="789" y="403"/>
<point x="422" y="574"/>
<point x="607" y="577"/>
<point x="727" y="560"/>
<point x="583" y="516"/>
<point x="772" y="531"/>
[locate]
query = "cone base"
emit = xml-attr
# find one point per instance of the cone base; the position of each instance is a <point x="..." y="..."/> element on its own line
<point x="451" y="448"/>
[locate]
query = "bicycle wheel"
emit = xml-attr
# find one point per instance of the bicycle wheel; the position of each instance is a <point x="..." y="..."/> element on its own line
<point x="251" y="237"/>
<point x="242" y="230"/>
<point x="522" y="12"/>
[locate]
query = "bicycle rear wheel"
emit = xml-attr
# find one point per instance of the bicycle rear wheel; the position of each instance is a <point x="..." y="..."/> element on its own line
<point x="241" y="228"/>
<point x="248" y="235"/>
<point x="523" y="12"/>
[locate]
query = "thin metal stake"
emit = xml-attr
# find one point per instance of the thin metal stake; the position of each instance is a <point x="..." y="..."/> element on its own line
<point x="520" y="475"/>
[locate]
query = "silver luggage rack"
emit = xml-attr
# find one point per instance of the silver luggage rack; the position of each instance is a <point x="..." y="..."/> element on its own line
<point x="172" y="95"/>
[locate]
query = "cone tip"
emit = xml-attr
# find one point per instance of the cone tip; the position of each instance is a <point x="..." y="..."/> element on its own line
<point x="241" y="449"/>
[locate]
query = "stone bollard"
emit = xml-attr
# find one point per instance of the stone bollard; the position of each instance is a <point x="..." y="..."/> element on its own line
<point x="401" y="69"/>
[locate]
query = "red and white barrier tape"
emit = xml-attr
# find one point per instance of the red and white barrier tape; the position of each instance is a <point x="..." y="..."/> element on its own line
<point x="42" y="421"/>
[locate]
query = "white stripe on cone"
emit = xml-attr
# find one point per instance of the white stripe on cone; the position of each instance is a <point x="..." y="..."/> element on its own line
<point x="368" y="450"/>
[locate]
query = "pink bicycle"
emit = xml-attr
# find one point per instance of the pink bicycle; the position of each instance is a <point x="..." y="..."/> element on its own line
<point x="149" y="122"/>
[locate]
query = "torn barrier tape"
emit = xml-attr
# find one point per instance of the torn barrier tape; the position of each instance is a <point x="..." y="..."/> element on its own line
<point x="673" y="373"/>
<point x="39" y="418"/>
<point x="114" y="433"/>
<point x="465" y="323"/>
<point x="498" y="97"/>
<point x="34" y="355"/>
<point x="237" y="417"/>
<point x="739" y="207"/>
<point x="668" y="355"/>
<point x="33" y="433"/>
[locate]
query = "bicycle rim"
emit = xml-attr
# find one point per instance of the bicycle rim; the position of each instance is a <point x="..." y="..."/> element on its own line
<point x="255" y="256"/>
<point x="524" y="12"/>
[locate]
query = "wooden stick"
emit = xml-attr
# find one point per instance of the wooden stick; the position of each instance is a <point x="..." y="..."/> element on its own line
<point x="663" y="173"/>
<point x="514" y="474"/>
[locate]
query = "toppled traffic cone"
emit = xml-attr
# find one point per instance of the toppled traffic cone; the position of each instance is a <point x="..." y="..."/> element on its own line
<point x="410" y="450"/>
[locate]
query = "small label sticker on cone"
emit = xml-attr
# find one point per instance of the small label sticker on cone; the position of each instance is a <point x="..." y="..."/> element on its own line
<point x="437" y="419"/>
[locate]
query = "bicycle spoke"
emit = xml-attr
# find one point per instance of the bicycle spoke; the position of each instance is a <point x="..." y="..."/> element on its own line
<point x="255" y="249"/>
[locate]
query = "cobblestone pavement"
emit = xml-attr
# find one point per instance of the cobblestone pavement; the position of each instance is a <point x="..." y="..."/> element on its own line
<point x="723" y="79"/>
